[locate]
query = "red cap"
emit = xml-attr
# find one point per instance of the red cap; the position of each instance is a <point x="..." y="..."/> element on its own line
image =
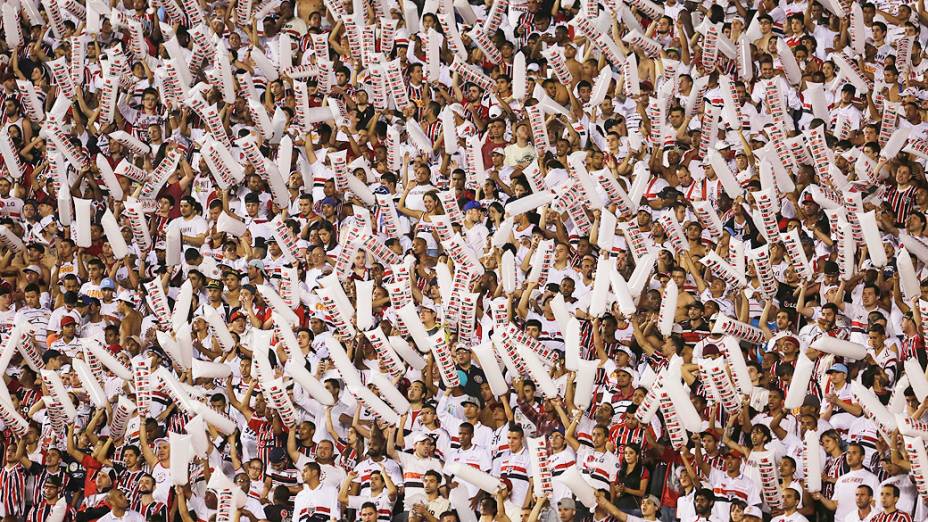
<point x="66" y="320"/>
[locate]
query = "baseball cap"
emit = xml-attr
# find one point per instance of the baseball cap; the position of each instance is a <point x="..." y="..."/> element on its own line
<point x="66" y="320"/>
<point x="107" y="284"/>
<point x="837" y="367"/>
<point x="33" y="268"/>
<point x="214" y="283"/>
<point x="257" y="263"/>
<point x="652" y="499"/>
<point x="566" y="503"/>
<point x="419" y="436"/>
<point x="472" y="400"/>
<point x="329" y="201"/>
<point x="753" y="511"/>
<point x="471" y="205"/>
<point x="109" y="472"/>
<point x="710" y="349"/>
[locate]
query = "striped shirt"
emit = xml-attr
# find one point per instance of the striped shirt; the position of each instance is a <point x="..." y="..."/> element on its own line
<point x="517" y="468"/>
<point x="13" y="489"/>
<point x="414" y="469"/>
<point x="622" y="435"/>
<point x="128" y="482"/>
<point x="895" y="516"/>
<point x="43" y="511"/>
<point x="153" y="512"/>
<point x="42" y="476"/>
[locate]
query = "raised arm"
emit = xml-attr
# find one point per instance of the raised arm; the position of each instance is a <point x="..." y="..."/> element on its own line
<point x="149" y="455"/>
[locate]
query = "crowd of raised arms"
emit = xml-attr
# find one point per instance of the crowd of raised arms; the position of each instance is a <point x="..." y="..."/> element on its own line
<point x="463" y="260"/>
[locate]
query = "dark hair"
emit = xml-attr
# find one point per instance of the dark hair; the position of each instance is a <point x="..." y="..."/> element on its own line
<point x="313" y="465"/>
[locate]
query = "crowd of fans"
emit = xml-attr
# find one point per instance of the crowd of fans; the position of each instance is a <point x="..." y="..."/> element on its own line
<point x="511" y="260"/>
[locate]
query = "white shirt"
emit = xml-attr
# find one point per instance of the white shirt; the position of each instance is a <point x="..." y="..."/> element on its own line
<point x="162" y="478"/>
<point x="599" y="468"/>
<point x="846" y="489"/>
<point x="475" y="457"/>
<point x="128" y="516"/>
<point x="854" y="516"/>
<point x="194" y="226"/>
<point x="322" y="500"/>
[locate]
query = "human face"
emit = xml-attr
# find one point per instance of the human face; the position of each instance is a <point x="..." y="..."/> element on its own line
<point x="703" y="505"/>
<point x="515" y="442"/>
<point x="631" y="456"/>
<point x="163" y="450"/>
<point x="149" y="100"/>
<point x="146" y="485"/>
<point x="103" y="482"/>
<point x="50" y="491"/>
<point x="862" y="498"/>
<point x="887" y="498"/>
<point x="854" y="456"/>
<point x="324" y="450"/>
<point x="369" y="514"/>
<point x="255" y="470"/>
<point x="428" y="416"/>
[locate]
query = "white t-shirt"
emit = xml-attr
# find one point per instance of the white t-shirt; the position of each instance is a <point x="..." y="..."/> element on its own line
<point x="162" y="478"/>
<point x="854" y="516"/>
<point x="599" y="468"/>
<point x="194" y="226"/>
<point x="128" y="516"/>
<point x="846" y="489"/>
<point x="322" y="501"/>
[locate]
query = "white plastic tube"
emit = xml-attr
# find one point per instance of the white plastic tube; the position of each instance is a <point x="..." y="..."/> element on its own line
<point x="491" y="369"/>
<point x="278" y="304"/>
<point x="668" y="308"/>
<point x="90" y="383"/>
<point x="840" y="347"/>
<point x="181" y="454"/>
<point x="375" y="404"/>
<point x="81" y="223"/>
<point x="388" y="391"/>
<point x="584" y="383"/>
<point x="799" y="385"/>
<point x="107" y="359"/>
<point x="573" y="479"/>
<point x="481" y="479"/>
<point x="917" y="379"/>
